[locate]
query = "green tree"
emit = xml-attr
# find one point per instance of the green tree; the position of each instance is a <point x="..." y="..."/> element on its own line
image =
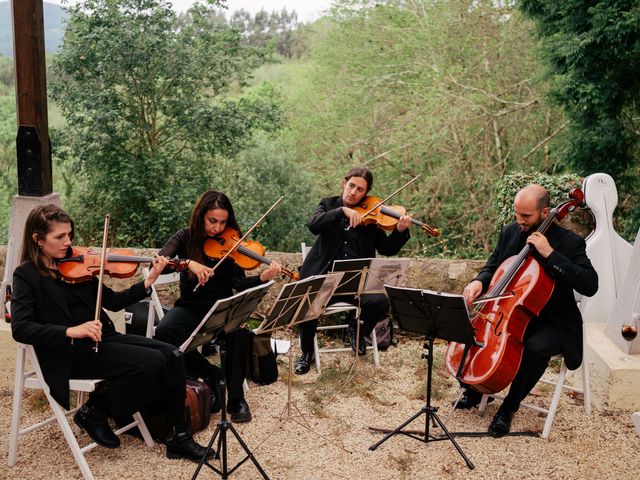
<point x="592" y="49"/>
<point x="8" y="131"/>
<point x="275" y="29"/>
<point x="150" y="101"/>
<point x="447" y="89"/>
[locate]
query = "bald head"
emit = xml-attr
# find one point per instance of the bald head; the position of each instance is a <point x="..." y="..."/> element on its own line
<point x="531" y="206"/>
<point x="534" y="193"/>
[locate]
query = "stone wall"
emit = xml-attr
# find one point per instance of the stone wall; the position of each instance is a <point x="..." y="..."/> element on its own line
<point x="427" y="273"/>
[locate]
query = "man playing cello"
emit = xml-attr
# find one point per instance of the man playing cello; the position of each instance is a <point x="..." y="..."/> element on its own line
<point x="341" y="236"/>
<point x="558" y="327"/>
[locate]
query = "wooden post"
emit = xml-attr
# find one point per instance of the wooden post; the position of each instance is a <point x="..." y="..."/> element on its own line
<point x="32" y="141"/>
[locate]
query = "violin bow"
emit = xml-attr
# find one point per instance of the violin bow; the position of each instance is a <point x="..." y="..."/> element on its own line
<point x="389" y="197"/>
<point x="103" y="257"/>
<point x="239" y="242"/>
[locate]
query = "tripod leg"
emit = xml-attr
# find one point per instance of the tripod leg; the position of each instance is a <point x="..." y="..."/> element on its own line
<point x="204" y="457"/>
<point x="248" y="452"/>
<point x="435" y="417"/>
<point x="398" y="429"/>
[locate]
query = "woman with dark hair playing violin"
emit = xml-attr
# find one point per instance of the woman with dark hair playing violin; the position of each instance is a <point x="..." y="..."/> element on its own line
<point x="52" y="315"/>
<point x="336" y="241"/>
<point x="211" y="216"/>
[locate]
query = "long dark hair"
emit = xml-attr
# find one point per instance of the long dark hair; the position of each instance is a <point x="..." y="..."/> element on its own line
<point x="362" y="172"/>
<point x="197" y="236"/>
<point x="38" y="223"/>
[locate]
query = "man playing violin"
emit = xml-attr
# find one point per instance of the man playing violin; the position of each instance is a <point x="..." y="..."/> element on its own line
<point x="341" y="236"/>
<point x="558" y="327"/>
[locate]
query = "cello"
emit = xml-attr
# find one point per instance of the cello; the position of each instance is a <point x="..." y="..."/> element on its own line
<point x="519" y="290"/>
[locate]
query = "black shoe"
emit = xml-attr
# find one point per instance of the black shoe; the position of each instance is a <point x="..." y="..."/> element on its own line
<point x="215" y="397"/>
<point x="470" y="399"/>
<point x="215" y="402"/>
<point x="95" y="424"/>
<point x="182" y="445"/>
<point x="303" y="364"/>
<point x="362" y="343"/>
<point x="239" y="410"/>
<point x="501" y="423"/>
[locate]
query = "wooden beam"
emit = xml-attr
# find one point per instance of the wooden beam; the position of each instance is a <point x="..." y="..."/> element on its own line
<point x="32" y="142"/>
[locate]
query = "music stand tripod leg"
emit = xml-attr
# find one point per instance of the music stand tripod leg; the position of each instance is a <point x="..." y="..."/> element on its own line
<point x="221" y="429"/>
<point x="430" y="413"/>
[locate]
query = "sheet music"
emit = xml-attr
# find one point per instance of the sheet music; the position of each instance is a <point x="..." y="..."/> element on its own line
<point x="380" y="271"/>
<point x="331" y="282"/>
<point x="228" y="314"/>
<point x="385" y="271"/>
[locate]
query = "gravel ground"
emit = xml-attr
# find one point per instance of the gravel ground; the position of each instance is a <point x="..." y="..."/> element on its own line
<point x="331" y="438"/>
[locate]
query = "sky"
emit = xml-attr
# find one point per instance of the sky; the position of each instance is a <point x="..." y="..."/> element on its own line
<point x="307" y="10"/>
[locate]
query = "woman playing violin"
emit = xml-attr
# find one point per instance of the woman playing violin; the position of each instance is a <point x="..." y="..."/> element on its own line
<point x="52" y="315"/>
<point x="340" y="236"/>
<point x="212" y="214"/>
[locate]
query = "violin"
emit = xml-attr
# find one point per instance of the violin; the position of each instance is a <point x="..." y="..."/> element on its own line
<point x="248" y="255"/>
<point x="84" y="264"/>
<point x="519" y="290"/>
<point x="386" y="217"/>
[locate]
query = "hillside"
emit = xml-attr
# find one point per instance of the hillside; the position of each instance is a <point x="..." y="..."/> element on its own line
<point x="54" y="19"/>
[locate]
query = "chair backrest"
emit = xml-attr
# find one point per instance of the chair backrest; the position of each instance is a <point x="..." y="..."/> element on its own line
<point x="305" y="250"/>
<point x="155" y="305"/>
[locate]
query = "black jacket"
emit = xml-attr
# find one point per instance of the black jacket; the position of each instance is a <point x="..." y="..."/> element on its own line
<point x="40" y="317"/>
<point x="328" y="222"/>
<point x="571" y="269"/>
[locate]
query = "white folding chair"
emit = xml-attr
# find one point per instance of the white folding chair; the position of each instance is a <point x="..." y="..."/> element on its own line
<point x="34" y="379"/>
<point x="155" y="305"/>
<point x="334" y="308"/>
<point x="559" y="383"/>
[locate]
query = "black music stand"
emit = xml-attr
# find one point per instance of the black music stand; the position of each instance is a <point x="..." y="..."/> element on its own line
<point x="434" y="315"/>
<point x="367" y="276"/>
<point x="226" y="316"/>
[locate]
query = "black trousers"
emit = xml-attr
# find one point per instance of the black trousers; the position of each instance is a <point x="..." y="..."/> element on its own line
<point x="180" y="322"/>
<point x="541" y="342"/>
<point x="139" y="372"/>
<point x="373" y="308"/>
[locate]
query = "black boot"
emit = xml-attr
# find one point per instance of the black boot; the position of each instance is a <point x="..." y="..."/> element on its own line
<point x="303" y="364"/>
<point x="362" y="343"/>
<point x="501" y="423"/>
<point x="239" y="410"/>
<point x="470" y="399"/>
<point x="94" y="422"/>
<point x="182" y="445"/>
<point x="215" y="395"/>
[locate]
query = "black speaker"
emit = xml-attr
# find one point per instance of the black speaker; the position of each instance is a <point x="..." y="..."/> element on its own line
<point x="34" y="178"/>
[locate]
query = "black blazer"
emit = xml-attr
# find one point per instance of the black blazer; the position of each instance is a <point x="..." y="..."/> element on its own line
<point x="328" y="222"/>
<point x="571" y="269"/>
<point x="40" y="317"/>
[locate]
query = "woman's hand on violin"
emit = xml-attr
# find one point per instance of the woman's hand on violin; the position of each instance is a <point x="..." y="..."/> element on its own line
<point x="540" y="243"/>
<point x="159" y="264"/>
<point x="472" y="290"/>
<point x="201" y="272"/>
<point x="270" y="273"/>
<point x="91" y="329"/>
<point x="403" y="223"/>
<point x="354" y="217"/>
